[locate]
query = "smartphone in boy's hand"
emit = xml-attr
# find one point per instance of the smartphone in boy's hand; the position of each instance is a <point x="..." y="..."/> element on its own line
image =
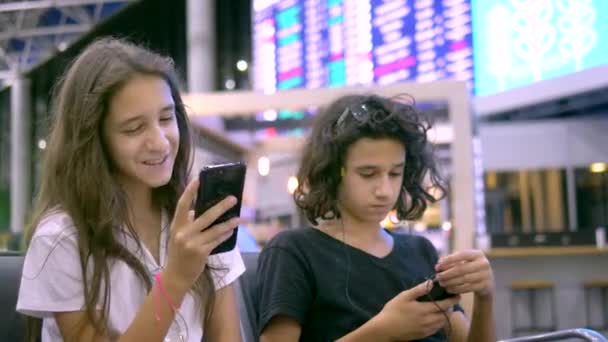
<point x="436" y="293"/>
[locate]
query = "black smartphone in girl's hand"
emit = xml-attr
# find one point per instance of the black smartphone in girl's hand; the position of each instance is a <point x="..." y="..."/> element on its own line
<point x="217" y="182"/>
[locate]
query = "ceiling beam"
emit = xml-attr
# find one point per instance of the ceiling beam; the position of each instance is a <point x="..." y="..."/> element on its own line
<point x="43" y="4"/>
<point x="234" y="103"/>
<point x="44" y="31"/>
<point x="6" y="74"/>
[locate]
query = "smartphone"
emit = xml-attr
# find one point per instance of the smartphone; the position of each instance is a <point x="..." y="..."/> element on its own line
<point x="216" y="183"/>
<point x="437" y="293"/>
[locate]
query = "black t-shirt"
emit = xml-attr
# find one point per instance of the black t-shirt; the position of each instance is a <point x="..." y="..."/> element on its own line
<point x="302" y="274"/>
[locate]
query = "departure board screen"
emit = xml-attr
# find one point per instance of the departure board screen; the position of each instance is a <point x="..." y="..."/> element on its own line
<point x="331" y="43"/>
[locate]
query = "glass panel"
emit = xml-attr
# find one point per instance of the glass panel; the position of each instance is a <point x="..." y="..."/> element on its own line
<point x="526" y="201"/>
<point x="592" y="196"/>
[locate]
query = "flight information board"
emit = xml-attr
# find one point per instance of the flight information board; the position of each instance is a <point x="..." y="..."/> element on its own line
<point x="331" y="43"/>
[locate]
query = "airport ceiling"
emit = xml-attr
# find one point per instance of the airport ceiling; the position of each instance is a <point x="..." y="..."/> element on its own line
<point x="34" y="30"/>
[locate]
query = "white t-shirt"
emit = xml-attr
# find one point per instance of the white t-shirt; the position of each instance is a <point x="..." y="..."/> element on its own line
<point x="52" y="280"/>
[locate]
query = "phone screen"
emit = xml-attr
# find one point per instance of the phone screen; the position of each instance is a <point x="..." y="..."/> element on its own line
<point x="216" y="183"/>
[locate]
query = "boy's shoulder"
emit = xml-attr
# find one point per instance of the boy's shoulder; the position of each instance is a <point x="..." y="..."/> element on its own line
<point x="293" y="238"/>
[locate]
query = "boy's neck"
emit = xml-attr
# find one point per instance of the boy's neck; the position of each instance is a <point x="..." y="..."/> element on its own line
<point x="367" y="236"/>
<point x="357" y="230"/>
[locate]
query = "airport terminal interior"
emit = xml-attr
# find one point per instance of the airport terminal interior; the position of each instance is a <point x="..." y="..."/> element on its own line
<point x="516" y="90"/>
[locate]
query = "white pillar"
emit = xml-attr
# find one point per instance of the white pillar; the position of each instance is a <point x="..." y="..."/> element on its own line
<point x="20" y="152"/>
<point x="465" y="179"/>
<point x="201" y="45"/>
<point x="201" y="53"/>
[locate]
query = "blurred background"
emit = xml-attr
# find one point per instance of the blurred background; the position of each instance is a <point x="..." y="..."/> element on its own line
<point x="522" y="138"/>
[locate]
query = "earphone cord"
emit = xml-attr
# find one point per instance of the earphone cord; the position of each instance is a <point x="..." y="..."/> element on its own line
<point x="444" y="312"/>
<point x="348" y="262"/>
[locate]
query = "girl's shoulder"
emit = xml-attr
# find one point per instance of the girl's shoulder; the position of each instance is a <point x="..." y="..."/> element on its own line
<point x="54" y="228"/>
<point x="55" y="223"/>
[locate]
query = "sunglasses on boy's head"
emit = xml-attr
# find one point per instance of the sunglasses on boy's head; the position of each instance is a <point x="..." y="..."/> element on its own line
<point x="365" y="112"/>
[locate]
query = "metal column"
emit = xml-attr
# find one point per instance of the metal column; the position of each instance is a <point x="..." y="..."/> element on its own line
<point x="20" y="152"/>
<point x="201" y="52"/>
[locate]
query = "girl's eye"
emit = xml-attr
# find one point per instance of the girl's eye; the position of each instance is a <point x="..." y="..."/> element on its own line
<point x="133" y="130"/>
<point x="167" y="118"/>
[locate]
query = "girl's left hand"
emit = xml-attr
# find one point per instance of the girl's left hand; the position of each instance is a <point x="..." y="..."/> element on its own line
<point x="466" y="271"/>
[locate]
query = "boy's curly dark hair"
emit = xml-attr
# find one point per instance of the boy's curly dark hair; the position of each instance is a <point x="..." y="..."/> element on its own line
<point x="344" y="122"/>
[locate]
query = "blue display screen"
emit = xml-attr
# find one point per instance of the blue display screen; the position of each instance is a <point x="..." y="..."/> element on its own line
<point x="518" y="42"/>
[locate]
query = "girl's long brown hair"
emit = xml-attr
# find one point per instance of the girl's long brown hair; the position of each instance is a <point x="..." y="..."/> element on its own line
<point x="77" y="174"/>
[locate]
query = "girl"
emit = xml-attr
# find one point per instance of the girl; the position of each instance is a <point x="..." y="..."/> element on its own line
<point x="347" y="279"/>
<point x="114" y="252"/>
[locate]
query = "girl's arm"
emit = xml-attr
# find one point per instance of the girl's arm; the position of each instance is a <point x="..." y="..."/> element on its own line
<point x="224" y="324"/>
<point x="76" y="326"/>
